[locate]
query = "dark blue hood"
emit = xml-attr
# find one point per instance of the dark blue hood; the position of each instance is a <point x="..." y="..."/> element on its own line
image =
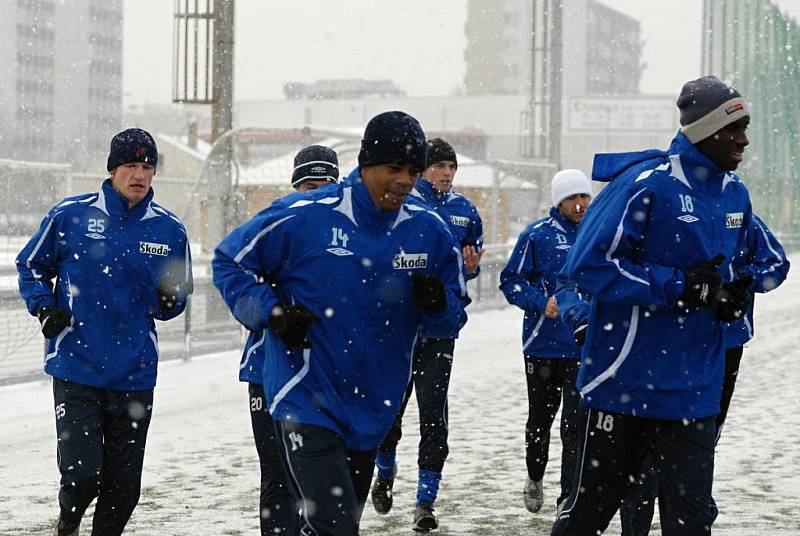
<point x="609" y="166"/>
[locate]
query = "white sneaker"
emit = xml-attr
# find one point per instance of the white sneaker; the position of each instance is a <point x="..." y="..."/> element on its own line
<point x="533" y="495"/>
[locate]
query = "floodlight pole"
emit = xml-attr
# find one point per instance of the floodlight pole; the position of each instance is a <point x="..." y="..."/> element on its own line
<point x="555" y="87"/>
<point x="219" y="186"/>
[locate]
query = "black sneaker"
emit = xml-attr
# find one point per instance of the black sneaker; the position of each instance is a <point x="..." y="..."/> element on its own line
<point x="382" y="494"/>
<point x="66" y="529"/>
<point x="424" y="519"/>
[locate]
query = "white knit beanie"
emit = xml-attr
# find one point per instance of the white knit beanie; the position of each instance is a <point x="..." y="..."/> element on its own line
<point x="569" y="182"/>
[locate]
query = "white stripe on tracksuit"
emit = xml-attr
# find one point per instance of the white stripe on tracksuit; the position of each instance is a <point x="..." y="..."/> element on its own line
<point x="538" y="325"/>
<point x="245" y="250"/>
<point x="67" y="329"/>
<point x="618" y="237"/>
<point x="623" y="354"/>
<point x="576" y="490"/>
<point x="295" y="480"/>
<point x="634" y="322"/>
<point x="253" y="349"/>
<point x="294" y="380"/>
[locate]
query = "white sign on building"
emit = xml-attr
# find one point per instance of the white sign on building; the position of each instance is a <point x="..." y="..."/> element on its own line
<point x="629" y="114"/>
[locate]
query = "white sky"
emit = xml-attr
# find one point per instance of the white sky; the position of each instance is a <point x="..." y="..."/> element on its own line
<point x="417" y="43"/>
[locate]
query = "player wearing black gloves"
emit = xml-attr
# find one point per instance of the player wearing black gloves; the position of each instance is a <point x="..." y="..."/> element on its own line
<point x="428" y="293"/>
<point x="335" y="370"/>
<point x="100" y="269"/>
<point x="433" y="359"/>
<point x="652" y="362"/>
<point x="315" y="166"/>
<point x="53" y="321"/>
<point x="291" y="324"/>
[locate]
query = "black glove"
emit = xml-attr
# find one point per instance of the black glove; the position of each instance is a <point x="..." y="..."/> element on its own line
<point x="579" y="335"/>
<point x="53" y="321"/>
<point x="703" y="281"/>
<point x="167" y="296"/>
<point x="734" y="299"/>
<point x="291" y="324"/>
<point x="428" y="293"/>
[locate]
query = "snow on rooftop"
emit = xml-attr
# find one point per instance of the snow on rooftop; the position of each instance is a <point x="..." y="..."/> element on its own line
<point x="277" y="171"/>
<point x="181" y="143"/>
<point x="24" y="164"/>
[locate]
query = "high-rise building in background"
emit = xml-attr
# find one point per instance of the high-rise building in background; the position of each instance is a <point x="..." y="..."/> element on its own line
<point x="60" y="80"/>
<point x="498" y="53"/>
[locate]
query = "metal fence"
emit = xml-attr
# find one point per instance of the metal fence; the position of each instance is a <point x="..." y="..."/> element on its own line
<point x="30" y="189"/>
<point x="206" y="327"/>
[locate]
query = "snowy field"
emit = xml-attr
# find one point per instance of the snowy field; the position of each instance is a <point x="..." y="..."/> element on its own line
<point x="201" y="469"/>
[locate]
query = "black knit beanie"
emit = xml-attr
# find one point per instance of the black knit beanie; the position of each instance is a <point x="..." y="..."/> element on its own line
<point x="439" y="150"/>
<point x="393" y="138"/>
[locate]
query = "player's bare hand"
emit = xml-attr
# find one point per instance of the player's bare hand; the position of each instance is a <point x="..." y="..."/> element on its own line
<point x="472" y="258"/>
<point x="551" y="311"/>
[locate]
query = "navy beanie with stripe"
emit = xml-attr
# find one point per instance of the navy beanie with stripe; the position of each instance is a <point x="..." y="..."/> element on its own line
<point x="707" y="105"/>
<point x="315" y="163"/>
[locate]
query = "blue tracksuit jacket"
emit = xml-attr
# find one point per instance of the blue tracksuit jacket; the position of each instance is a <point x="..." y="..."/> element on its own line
<point x="251" y="366"/>
<point x="662" y="213"/>
<point x="574" y="304"/>
<point x="461" y="217"/>
<point x="349" y="263"/>
<point x="460" y="214"/>
<point x="107" y="261"/>
<point x="765" y="261"/>
<point x="529" y="280"/>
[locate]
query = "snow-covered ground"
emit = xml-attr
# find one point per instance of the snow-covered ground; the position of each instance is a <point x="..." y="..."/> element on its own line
<point x="201" y="470"/>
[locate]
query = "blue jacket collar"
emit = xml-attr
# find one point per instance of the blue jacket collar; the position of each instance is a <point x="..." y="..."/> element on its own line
<point x="367" y="213"/>
<point x="429" y="193"/>
<point x="689" y="152"/>
<point x="114" y="204"/>
<point x="566" y="223"/>
<point x="352" y="177"/>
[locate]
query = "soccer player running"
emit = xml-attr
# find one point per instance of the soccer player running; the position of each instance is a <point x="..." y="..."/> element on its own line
<point x="340" y="279"/>
<point x="433" y="358"/>
<point x="314" y="166"/>
<point x="551" y="354"/>
<point x="763" y="259"/>
<point x="120" y="261"/>
<point x="655" y="253"/>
